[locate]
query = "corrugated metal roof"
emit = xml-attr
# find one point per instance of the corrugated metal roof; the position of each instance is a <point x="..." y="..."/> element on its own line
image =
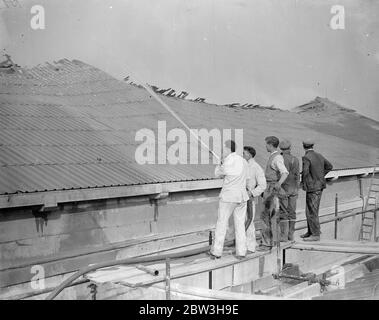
<point x="69" y="125"/>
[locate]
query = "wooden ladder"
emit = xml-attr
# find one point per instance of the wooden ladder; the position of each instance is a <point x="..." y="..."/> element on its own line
<point x="371" y="206"/>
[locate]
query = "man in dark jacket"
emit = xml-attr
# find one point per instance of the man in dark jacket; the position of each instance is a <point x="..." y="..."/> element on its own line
<point x="290" y="186"/>
<point x="315" y="168"/>
<point x="276" y="173"/>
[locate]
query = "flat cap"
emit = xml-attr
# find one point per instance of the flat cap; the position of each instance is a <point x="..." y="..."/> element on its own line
<point x="308" y="142"/>
<point x="284" y="144"/>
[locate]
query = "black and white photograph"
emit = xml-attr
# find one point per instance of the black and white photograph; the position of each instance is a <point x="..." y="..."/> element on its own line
<point x="213" y="152"/>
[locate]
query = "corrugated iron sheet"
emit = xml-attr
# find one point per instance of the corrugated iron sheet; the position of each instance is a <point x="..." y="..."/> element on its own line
<point x="68" y="125"/>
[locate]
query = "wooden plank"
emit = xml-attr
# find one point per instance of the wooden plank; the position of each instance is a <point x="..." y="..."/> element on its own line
<point x="306" y="293"/>
<point x="353" y="267"/>
<point x="216" y="294"/>
<point x="350" y="273"/>
<point x="158" y="294"/>
<point x="362" y="248"/>
<point x="340" y="249"/>
<point x="360" y="292"/>
<point x="341" y="243"/>
<point x="328" y="267"/>
<point x="291" y="291"/>
<point x="184" y="270"/>
<point x="123" y="272"/>
<point x="107" y="274"/>
<point x="144" y="279"/>
<point x="367" y="279"/>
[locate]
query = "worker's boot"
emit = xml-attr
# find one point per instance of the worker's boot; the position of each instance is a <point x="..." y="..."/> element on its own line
<point x="305" y="235"/>
<point x="283" y="230"/>
<point x="312" y="238"/>
<point x="291" y="230"/>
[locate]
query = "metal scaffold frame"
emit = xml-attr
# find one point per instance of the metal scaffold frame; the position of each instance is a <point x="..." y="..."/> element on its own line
<point x="183" y="254"/>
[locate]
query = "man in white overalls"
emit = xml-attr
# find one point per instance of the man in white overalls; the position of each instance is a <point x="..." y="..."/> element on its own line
<point x="256" y="185"/>
<point x="232" y="200"/>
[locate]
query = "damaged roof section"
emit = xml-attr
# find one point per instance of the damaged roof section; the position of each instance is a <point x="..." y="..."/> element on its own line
<point x="67" y="125"/>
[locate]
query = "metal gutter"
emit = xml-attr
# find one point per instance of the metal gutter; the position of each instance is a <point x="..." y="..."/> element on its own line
<point x="53" y="198"/>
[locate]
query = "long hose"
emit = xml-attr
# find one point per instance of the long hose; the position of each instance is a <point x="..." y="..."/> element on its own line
<point x="126" y="261"/>
<point x="175" y="115"/>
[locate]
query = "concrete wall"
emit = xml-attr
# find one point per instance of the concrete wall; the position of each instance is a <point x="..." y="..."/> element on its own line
<point x="74" y="230"/>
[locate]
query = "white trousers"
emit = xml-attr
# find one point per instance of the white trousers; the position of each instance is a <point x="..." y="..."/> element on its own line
<point x="225" y="210"/>
<point x="251" y="241"/>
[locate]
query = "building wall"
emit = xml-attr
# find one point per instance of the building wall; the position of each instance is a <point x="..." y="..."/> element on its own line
<point x="78" y="234"/>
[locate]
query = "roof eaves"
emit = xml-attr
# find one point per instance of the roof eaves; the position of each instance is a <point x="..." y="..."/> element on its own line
<point x="23" y="199"/>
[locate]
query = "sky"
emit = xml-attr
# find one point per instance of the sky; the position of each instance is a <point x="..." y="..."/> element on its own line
<point x="268" y="52"/>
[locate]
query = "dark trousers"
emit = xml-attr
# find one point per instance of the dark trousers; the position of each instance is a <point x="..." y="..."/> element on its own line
<point x="312" y="207"/>
<point x="270" y="217"/>
<point x="291" y="208"/>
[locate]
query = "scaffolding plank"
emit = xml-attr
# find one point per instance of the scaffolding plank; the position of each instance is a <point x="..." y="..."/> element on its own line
<point x="339" y="246"/>
<point x="124" y="275"/>
<point x="122" y="272"/>
<point x="216" y="294"/>
<point x="341" y="243"/>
